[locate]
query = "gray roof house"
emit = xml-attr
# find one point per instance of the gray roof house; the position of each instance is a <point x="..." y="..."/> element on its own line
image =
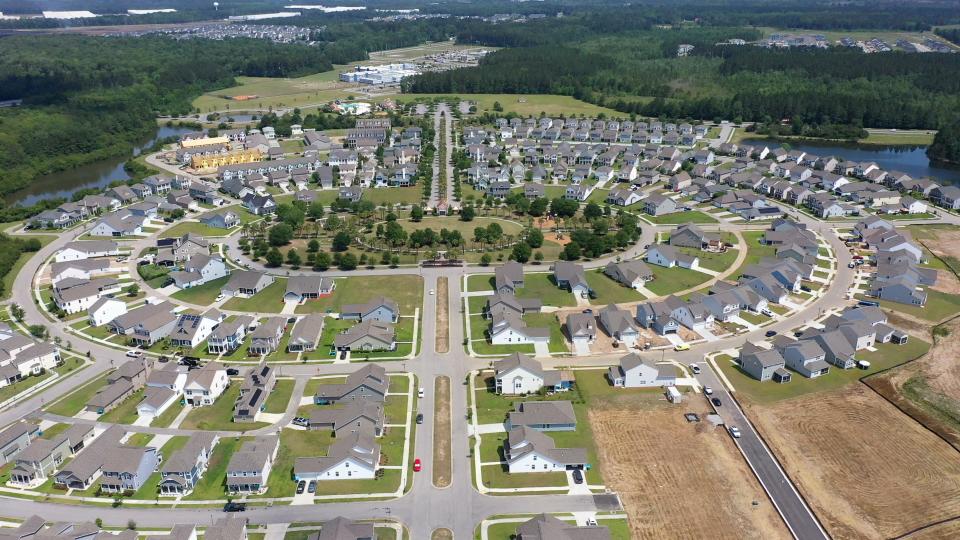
<point x="250" y="467"/>
<point x="572" y="277"/>
<point x="547" y="527"/>
<point x="519" y="374"/>
<point x="637" y="372"/>
<point x="658" y="205"/>
<point x="837" y="348"/>
<point x="508" y="277"/>
<point x="581" y="327"/>
<point x="370" y="383"/>
<point x="368" y="335"/>
<point x="543" y="416"/>
<point x="254" y="391"/>
<point x="380" y="309"/>
<point x="631" y="274"/>
<point x="763" y="364"/>
<point x="341" y="528"/>
<point x="366" y="417"/>
<point x="182" y="470"/>
<point x="806" y="357"/>
<point x="306" y="333"/>
<point x="15" y="438"/>
<point x="530" y="451"/>
<point x="246" y="283"/>
<point x="619" y="324"/>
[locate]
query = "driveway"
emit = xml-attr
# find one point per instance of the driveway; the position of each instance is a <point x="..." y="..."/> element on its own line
<point x="582" y="348"/>
<point x="707" y="334"/>
<point x="541" y="349"/>
<point x="674" y="339"/>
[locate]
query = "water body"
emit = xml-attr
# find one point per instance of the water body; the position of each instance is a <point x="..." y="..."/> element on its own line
<point x="97" y="174"/>
<point x="909" y="159"/>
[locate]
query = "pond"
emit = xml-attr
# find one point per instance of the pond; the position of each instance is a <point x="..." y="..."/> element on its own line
<point x="97" y="174"/>
<point x="909" y="159"/>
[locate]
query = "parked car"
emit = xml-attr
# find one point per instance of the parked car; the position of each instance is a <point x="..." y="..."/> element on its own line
<point x="301" y="486"/>
<point x="417" y="465"/>
<point x="716" y="402"/>
<point x="695" y="369"/>
<point x="235" y="507"/>
<point x="770" y="333"/>
<point x="707" y="390"/>
<point x="734" y="432"/>
<point x="233" y="371"/>
<point x="681" y="347"/>
<point x="420" y="392"/>
<point x="134" y="354"/>
<point x="312" y="486"/>
<point x="851" y="265"/>
<point x="577" y="476"/>
<point x="420" y="418"/>
<point x="343" y="355"/>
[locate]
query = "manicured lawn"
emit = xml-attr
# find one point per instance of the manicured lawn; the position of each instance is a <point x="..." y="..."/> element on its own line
<point x="405" y="290"/>
<point x="311" y="388"/>
<point x="526" y="104"/>
<point x="126" y="412"/>
<point x="391" y="446"/>
<point x="269" y="300"/>
<point x="670" y="280"/>
<point x="558" y="342"/>
<point x="718" y="262"/>
<point x="195" y="227"/>
<point x="676" y="218"/>
<point x="480" y="282"/>
<point x="212" y="484"/>
<point x="752" y="317"/>
<point x="219" y="416"/>
<point x="498" y="477"/>
<point x="886" y="356"/>
<point x="542" y="286"/>
<point x="168" y="416"/>
<point x="939" y="306"/>
<point x="609" y="291"/>
<point x="388" y="483"/>
<point x="202" y="295"/>
<point x="484" y="347"/>
<point x="23" y="385"/>
<point x="395" y="409"/>
<point x="74" y="402"/>
<point x="394" y="195"/>
<point x="150" y="488"/>
<point x="280" y="396"/>
<point x="756" y="250"/>
<point x="465" y="228"/>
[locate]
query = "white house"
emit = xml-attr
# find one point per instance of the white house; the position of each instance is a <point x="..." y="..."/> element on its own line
<point x="507" y="328"/>
<point x="636" y="372"/>
<point x="105" y="310"/>
<point x="85" y="249"/>
<point x="205" y="385"/>
<point x="668" y="256"/>
<point x="519" y="374"/>
<point x="530" y="451"/>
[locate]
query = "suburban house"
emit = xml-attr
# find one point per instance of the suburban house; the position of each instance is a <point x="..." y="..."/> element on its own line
<point x="530" y="451"/>
<point x="368" y="383"/>
<point x="545" y="526"/>
<point x="763" y="364"/>
<point x="228" y="336"/>
<point x="379" y="309"/>
<point x="250" y="467"/>
<point x="543" y="416"/>
<point x="633" y="273"/>
<point x="85" y="249"/>
<point x="39" y="458"/>
<point x="355" y="456"/>
<point x="658" y="205"/>
<point x="365" y="417"/>
<point x="669" y="256"/>
<point x="246" y="283"/>
<point x="507" y="328"/>
<point x="198" y="270"/>
<point x="104" y="310"/>
<point x="581" y="328"/>
<point x="619" y="324"/>
<point x="519" y="374"/>
<point x="126" y="468"/>
<point x="267" y="336"/>
<point x="121" y="384"/>
<point x="256" y="387"/>
<point x="368" y="335"/>
<point x="204" y="385"/>
<point x="302" y="288"/>
<point x="15" y="438"/>
<point x="182" y="470"/>
<point x="637" y="372"/>
<point x="508" y="277"/>
<point x="571" y="276"/>
<point x="692" y="236"/>
<point x="306" y="333"/>
<point x="191" y="330"/>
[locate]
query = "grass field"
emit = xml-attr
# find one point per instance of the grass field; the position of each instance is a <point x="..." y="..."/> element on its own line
<point x="74" y="402"/>
<point x="212" y="483"/>
<point x="939" y="306"/>
<point x="670" y="280"/>
<point x="676" y="218"/>
<point x="405" y="290"/>
<point x="280" y="396"/>
<point x="126" y="412"/>
<point x="465" y="228"/>
<point x="202" y="295"/>
<point x="718" y="262"/>
<point x="219" y="416"/>
<point x="393" y="195"/>
<point x="269" y="300"/>
<point x="524" y="105"/>
<point x="609" y="291"/>
<point x="755" y="250"/>
<point x="542" y="286"/>
<point x="10" y="276"/>
<point x="558" y="343"/>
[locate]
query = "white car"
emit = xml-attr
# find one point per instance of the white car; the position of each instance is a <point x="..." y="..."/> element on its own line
<point x="431" y="292"/>
<point x="707" y="390"/>
<point x="134" y="354"/>
<point x="420" y="392"/>
<point x="695" y="369"/>
<point x="735" y="432"/>
<point x="219" y="298"/>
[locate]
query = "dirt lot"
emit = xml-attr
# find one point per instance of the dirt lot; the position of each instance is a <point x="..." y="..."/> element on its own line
<point x="547" y="225"/>
<point x="443" y="316"/>
<point x="868" y="470"/>
<point x="674" y="476"/>
<point x="442" y="468"/>
<point x="950" y="529"/>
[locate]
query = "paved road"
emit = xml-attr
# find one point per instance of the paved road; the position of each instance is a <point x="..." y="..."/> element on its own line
<point x="458" y="507"/>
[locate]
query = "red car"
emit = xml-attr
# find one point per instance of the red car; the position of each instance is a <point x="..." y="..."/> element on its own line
<point x="416" y="465"/>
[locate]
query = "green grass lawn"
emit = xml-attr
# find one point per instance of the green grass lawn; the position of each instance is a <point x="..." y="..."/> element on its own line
<point x="670" y="280"/>
<point x="939" y="306"/>
<point x="718" y="262"/>
<point x="195" y="227"/>
<point x="558" y="343"/>
<point x="75" y="402"/>
<point x="395" y="410"/>
<point x="886" y="356"/>
<point x="619" y="529"/>
<point x="542" y="286"/>
<point x="752" y="317"/>
<point x="212" y="484"/>
<point x="484" y="347"/>
<point x="280" y="396"/>
<point x="23" y="385"/>
<point x="126" y="412"/>
<point x="465" y="228"/>
<point x="609" y="291"/>
<point x="269" y="300"/>
<point x="150" y="488"/>
<point x="480" y="282"/>
<point x="526" y="104"/>
<point x="755" y="250"/>
<point x="168" y="416"/>
<point x="394" y="195"/>
<point x="498" y="477"/>
<point x="676" y="218"/>
<point x="405" y="290"/>
<point x="219" y="416"/>
<point x="294" y="444"/>
<point x="11" y="274"/>
<point x="202" y="295"/>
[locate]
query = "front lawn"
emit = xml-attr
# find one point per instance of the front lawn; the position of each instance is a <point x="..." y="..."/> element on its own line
<point x="608" y="291"/>
<point x="405" y="290"/>
<point x="542" y="286"/>
<point x="718" y="262"/>
<point x="23" y="385"/>
<point x="76" y="401"/>
<point x="212" y="484"/>
<point x="269" y="300"/>
<point x="676" y="218"/>
<point x="126" y="412"/>
<point x="939" y="306"/>
<point x="558" y="343"/>
<point x="294" y="444"/>
<point x="280" y="396"/>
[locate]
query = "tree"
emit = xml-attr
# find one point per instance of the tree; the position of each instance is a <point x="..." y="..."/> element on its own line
<point x="521" y="252"/>
<point x="348" y="261"/>
<point x="323" y="262"/>
<point x="485" y="260"/>
<point x="394" y="234"/>
<point x="293" y="258"/>
<point x="341" y="241"/>
<point x="313" y="246"/>
<point x="592" y="210"/>
<point x="416" y="214"/>
<point x="38" y="331"/>
<point x="564" y="208"/>
<point x="132" y="289"/>
<point x="315" y="211"/>
<point x="291" y="215"/>
<point x="280" y="234"/>
<point x="538" y="207"/>
<point x="467" y="213"/>
<point x="394" y="261"/>
<point x="538" y="256"/>
<point x="274" y="258"/>
<point x="497" y="106"/>
<point x="571" y="251"/>
<point x="534" y="238"/>
<point x="494" y="232"/>
<point x="18" y="312"/>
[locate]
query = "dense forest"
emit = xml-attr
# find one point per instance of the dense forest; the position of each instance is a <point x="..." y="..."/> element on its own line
<point x="946" y="144"/>
<point x="637" y="72"/>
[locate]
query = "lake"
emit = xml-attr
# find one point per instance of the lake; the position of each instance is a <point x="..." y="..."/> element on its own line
<point x="97" y="174"/>
<point x="909" y="159"/>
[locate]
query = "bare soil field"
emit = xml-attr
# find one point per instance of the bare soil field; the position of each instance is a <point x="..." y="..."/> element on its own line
<point x="677" y="479"/>
<point x="950" y="529"/>
<point x="867" y="469"/>
<point x="442" y="467"/>
<point x="443" y="316"/>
